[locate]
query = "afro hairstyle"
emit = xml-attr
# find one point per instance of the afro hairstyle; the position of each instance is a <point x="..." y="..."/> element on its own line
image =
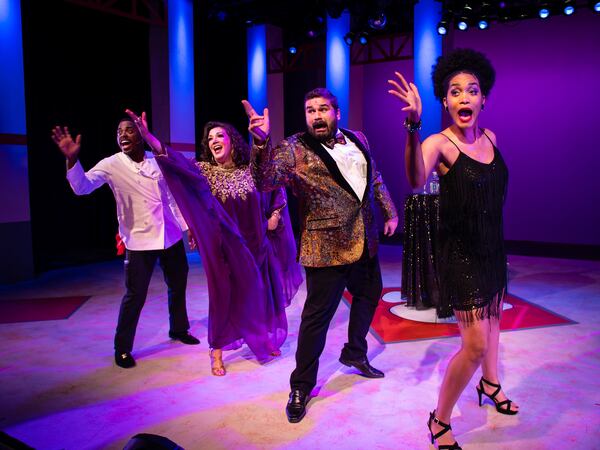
<point x="462" y="60"/>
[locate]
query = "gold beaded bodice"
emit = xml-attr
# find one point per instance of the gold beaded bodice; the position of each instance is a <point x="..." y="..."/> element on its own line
<point x="228" y="182"/>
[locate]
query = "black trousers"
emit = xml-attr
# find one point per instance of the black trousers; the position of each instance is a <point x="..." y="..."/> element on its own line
<point x="139" y="266"/>
<point x="325" y="286"/>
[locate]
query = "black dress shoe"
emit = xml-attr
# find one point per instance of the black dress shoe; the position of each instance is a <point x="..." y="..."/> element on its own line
<point x="124" y="360"/>
<point x="296" y="406"/>
<point x="366" y="369"/>
<point x="185" y="338"/>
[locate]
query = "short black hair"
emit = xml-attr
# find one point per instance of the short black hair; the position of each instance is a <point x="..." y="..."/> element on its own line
<point x="322" y="92"/>
<point x="459" y="61"/>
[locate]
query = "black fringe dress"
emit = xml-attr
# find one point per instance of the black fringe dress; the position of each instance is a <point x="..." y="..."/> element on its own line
<point x="472" y="262"/>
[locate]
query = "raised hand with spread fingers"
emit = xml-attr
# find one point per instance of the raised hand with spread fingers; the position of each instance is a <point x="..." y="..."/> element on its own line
<point x="408" y="93"/>
<point x="64" y="141"/>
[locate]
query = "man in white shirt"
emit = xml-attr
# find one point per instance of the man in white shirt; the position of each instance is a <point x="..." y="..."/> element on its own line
<point x="150" y="226"/>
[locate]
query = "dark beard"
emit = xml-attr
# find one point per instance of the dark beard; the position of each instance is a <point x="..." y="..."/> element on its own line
<point x="324" y="137"/>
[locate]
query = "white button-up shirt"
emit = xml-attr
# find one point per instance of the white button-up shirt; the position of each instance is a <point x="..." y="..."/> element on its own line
<point x="352" y="164"/>
<point x="146" y="210"/>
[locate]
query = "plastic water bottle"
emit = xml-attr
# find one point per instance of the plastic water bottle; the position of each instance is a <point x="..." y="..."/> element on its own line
<point x="434" y="183"/>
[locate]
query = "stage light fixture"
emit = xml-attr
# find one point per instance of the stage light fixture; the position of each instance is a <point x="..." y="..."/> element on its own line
<point x="349" y="38"/>
<point x="442" y="27"/>
<point x="314" y="26"/>
<point x="596" y="6"/>
<point x="568" y="7"/>
<point x="544" y="12"/>
<point x="292" y="50"/>
<point x="378" y="21"/>
<point x="463" y="20"/>
<point x="483" y="24"/>
<point x="363" y="38"/>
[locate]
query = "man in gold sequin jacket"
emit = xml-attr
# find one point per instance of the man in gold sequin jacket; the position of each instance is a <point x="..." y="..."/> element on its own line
<point x="333" y="175"/>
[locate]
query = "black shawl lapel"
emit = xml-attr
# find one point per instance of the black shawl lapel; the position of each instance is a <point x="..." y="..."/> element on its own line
<point x="329" y="162"/>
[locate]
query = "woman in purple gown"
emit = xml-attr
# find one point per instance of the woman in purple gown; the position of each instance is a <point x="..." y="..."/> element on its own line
<point x="244" y="238"/>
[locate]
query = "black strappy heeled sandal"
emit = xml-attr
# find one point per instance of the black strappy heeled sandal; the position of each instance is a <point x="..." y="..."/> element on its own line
<point x="502" y="407"/>
<point x="445" y="428"/>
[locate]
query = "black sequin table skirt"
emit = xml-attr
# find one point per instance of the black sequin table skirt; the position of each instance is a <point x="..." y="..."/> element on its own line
<point x="420" y="286"/>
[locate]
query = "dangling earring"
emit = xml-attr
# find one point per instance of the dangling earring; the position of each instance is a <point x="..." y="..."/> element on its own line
<point x="482" y="106"/>
<point x="446" y="108"/>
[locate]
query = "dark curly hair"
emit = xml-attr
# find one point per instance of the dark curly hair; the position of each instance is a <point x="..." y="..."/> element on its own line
<point x="239" y="146"/>
<point x="462" y="60"/>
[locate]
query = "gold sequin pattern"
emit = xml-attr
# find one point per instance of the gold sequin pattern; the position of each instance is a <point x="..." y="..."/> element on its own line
<point x="334" y="222"/>
<point x="235" y="182"/>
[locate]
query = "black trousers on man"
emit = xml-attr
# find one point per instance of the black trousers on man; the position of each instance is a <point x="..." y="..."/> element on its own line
<point x="325" y="287"/>
<point x="139" y="266"/>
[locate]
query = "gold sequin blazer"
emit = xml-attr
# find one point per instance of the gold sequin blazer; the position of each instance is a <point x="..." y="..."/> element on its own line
<point x="334" y="222"/>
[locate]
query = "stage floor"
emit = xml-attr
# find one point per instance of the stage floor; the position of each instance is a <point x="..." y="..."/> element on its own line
<point x="60" y="388"/>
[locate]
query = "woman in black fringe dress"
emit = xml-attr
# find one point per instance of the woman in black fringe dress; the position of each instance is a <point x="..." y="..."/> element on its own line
<point x="472" y="263"/>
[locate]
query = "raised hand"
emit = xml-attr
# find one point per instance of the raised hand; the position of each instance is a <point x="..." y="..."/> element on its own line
<point x="259" y="126"/>
<point x="408" y="93"/>
<point x="69" y="147"/>
<point x="142" y="125"/>
<point x="140" y="122"/>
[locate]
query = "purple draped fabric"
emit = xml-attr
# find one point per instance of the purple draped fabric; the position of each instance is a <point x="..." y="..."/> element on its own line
<point x="283" y="243"/>
<point x="248" y="287"/>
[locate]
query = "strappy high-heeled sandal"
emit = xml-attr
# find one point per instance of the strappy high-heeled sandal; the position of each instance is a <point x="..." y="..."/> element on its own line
<point x="502" y="407"/>
<point x="216" y="364"/>
<point x="445" y="428"/>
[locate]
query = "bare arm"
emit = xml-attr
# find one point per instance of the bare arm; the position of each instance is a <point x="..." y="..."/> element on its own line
<point x="277" y="201"/>
<point x="419" y="159"/>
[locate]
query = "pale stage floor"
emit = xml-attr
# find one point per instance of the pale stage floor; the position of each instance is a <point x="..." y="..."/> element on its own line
<point x="60" y="388"/>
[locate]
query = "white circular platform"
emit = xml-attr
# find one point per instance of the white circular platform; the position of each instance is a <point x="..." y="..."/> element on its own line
<point x="392" y="297"/>
<point x="427" y="315"/>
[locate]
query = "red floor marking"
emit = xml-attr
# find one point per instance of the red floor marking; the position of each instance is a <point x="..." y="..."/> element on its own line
<point x="389" y="328"/>
<point x="39" y="309"/>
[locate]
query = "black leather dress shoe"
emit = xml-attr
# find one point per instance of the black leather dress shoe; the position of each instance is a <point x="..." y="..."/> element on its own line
<point x="364" y="367"/>
<point x="185" y="338"/>
<point x="124" y="360"/>
<point x="296" y="406"/>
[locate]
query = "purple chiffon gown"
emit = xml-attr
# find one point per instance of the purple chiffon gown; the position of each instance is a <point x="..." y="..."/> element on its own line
<point x="252" y="273"/>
